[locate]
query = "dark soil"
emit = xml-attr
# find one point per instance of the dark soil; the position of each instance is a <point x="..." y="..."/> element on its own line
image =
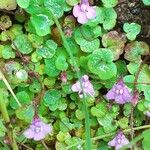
<point x="134" y="11"/>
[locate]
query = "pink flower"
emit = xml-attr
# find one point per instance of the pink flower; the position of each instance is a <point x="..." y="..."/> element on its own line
<point x="87" y="87"/>
<point x="63" y="77"/>
<point x="120" y="93"/>
<point x="83" y="12"/>
<point x="37" y="130"/>
<point x="119" y="141"/>
<point x="135" y="98"/>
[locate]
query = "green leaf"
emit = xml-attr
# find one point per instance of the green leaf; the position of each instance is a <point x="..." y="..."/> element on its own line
<point x="51" y="99"/>
<point x="7" y="52"/>
<point x="56" y="6"/>
<point x="144" y="77"/>
<point x="50" y="68"/>
<point x="23" y="3"/>
<point x="35" y="86"/>
<point x="87" y="41"/>
<point x="141" y="106"/>
<point x="109" y="18"/>
<point x="25" y="113"/>
<point x="127" y="109"/>
<point x="130" y="79"/>
<point x="49" y="82"/>
<point x="121" y="68"/>
<point x="132" y="30"/>
<point x="134" y="50"/>
<point x="72" y="2"/>
<point x="110" y="3"/>
<point x="100" y="110"/>
<point x="48" y="50"/>
<point x="36" y="40"/>
<point x="8" y="4"/>
<point x="100" y="63"/>
<point x="106" y="122"/>
<point x="145" y="142"/>
<point x="62" y="104"/>
<point x="61" y="63"/>
<point x="16" y="30"/>
<point x="89" y="46"/>
<point x="146" y="2"/>
<point x="5" y="22"/>
<point x="133" y="67"/>
<point x="123" y="122"/>
<point x="23" y="98"/>
<point x="90" y="33"/>
<point x="80" y="114"/>
<point x="35" y="57"/>
<point x="103" y="145"/>
<point x="2" y="129"/>
<point x="41" y="24"/>
<point x="23" y="44"/>
<point x="115" y="42"/>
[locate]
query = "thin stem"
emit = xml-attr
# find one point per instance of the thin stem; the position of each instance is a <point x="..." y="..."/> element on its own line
<point x="5" y="115"/>
<point x="88" y="143"/>
<point x="3" y="108"/>
<point x="132" y="107"/>
<point x="28" y="148"/>
<point x="9" y="88"/>
<point x="109" y="135"/>
<point x="44" y="144"/>
<point x="14" y="143"/>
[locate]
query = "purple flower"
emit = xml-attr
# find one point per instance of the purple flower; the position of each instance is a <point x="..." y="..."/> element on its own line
<point x="120" y="93"/>
<point x="135" y="98"/>
<point x="37" y="130"/>
<point x="87" y="87"/>
<point x="119" y="141"/>
<point x="83" y="12"/>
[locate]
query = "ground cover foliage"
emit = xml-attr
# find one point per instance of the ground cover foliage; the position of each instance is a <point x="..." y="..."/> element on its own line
<point x="74" y="74"/>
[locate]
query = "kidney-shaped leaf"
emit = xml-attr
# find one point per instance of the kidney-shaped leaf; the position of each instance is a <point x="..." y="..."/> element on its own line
<point x="23" y="44"/>
<point x="115" y="42"/>
<point x="101" y="63"/>
<point x="41" y="24"/>
<point x="134" y="50"/>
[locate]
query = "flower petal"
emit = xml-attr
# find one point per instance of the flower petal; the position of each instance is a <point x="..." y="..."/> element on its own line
<point x="82" y="18"/>
<point x="76" y="87"/>
<point x="119" y="99"/>
<point x="89" y="90"/>
<point x="112" y="142"/>
<point x="111" y="94"/>
<point x="125" y="140"/>
<point x="76" y="10"/>
<point x="91" y="14"/>
<point x="85" y="78"/>
<point x="127" y="95"/>
<point x="28" y="133"/>
<point x="47" y="128"/>
<point x="39" y="136"/>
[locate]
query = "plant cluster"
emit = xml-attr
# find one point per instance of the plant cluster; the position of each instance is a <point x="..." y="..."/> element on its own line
<point x="69" y="79"/>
